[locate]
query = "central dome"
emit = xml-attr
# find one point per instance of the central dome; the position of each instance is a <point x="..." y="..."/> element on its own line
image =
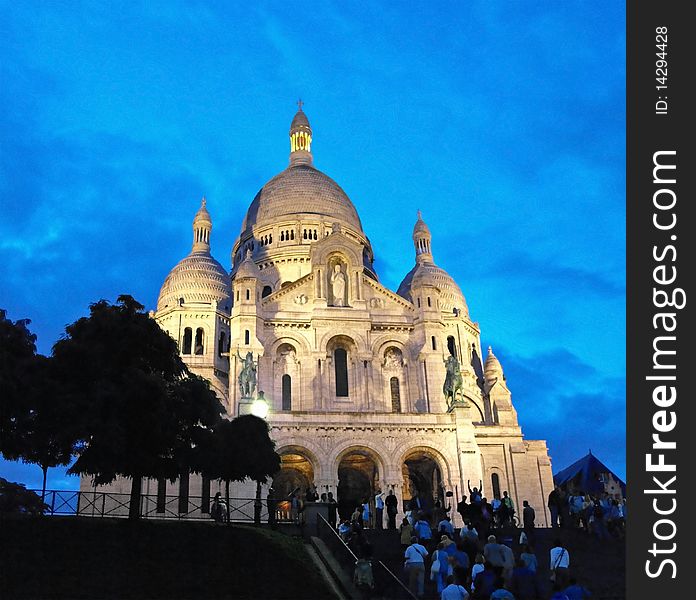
<point x="301" y="190"/>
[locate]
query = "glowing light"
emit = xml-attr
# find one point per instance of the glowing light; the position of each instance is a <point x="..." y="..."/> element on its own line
<point x="259" y="408"/>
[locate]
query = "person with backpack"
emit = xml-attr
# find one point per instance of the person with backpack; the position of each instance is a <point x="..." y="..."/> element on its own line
<point x="363" y="578"/>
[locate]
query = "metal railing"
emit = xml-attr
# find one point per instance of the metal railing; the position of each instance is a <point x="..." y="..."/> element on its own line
<point x="152" y="506"/>
<point x="387" y="584"/>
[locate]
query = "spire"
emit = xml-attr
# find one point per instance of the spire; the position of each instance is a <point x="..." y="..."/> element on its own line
<point x="421" y="241"/>
<point x="202" y="226"/>
<point x="300" y="138"/>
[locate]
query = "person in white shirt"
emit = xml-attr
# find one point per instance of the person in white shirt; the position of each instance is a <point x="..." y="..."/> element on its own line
<point x="559" y="561"/>
<point x="379" y="508"/>
<point x="456" y="589"/>
<point x="415" y="565"/>
<point x="476" y="569"/>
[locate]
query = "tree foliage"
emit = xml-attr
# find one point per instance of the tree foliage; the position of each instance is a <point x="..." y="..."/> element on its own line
<point x="143" y="413"/>
<point x="242" y="448"/>
<point x="17" y="359"/>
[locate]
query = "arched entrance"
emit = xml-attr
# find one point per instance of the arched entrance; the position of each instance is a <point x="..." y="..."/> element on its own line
<point x="296" y="471"/>
<point x="423" y="480"/>
<point x="358" y="477"/>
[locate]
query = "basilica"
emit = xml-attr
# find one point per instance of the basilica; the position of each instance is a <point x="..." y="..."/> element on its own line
<point x="367" y="388"/>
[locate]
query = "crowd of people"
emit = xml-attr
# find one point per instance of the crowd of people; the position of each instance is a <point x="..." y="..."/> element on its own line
<point x="477" y="562"/>
<point x="597" y="514"/>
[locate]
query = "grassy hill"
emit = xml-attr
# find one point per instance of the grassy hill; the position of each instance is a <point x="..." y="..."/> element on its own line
<point x="102" y="558"/>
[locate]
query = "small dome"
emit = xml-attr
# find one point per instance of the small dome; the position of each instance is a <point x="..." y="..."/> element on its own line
<point x="202" y="214"/>
<point x="300" y="120"/>
<point x="301" y="189"/>
<point x="429" y="274"/>
<point x="420" y="227"/>
<point x="492" y="369"/>
<point x="247" y="268"/>
<point x="197" y="278"/>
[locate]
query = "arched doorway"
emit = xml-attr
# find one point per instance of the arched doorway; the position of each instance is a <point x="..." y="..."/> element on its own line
<point x="358" y="477"/>
<point x="423" y="480"/>
<point x="296" y="471"/>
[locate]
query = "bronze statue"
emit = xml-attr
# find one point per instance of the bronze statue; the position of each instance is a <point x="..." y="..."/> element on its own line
<point x="453" y="381"/>
<point x="247" y="376"/>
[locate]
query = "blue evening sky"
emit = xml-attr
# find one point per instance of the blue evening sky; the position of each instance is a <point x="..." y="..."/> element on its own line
<point x="504" y="122"/>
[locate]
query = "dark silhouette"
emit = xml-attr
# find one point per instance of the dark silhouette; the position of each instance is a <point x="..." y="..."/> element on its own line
<point x="141" y="412"/>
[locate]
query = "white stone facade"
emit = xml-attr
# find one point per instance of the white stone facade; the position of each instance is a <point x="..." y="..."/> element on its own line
<point x="353" y="371"/>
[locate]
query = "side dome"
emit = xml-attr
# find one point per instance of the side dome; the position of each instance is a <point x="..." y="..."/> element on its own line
<point x="451" y="296"/>
<point x="197" y="278"/>
<point x="301" y="189"/>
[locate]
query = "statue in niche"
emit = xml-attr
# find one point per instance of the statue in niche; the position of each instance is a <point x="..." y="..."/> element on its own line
<point x="338" y="286"/>
<point x="393" y="359"/>
<point x="247" y="376"/>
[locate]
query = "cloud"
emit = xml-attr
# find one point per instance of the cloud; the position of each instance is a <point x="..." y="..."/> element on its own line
<point x="571" y="404"/>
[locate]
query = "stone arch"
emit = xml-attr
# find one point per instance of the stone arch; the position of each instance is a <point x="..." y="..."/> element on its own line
<point x="360" y="472"/>
<point x="300" y="343"/>
<point x="346" y="251"/>
<point x="356" y="340"/>
<point x="376" y="451"/>
<point x="424" y="480"/>
<point x="384" y="341"/>
<point x="299" y="469"/>
<point x="427" y="449"/>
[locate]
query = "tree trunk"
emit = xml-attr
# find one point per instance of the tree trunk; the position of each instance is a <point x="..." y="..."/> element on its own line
<point x="43" y="487"/>
<point x="134" y="507"/>
<point x="227" y="499"/>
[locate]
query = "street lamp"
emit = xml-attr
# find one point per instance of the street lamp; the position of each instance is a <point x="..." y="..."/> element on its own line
<point x="259" y="408"/>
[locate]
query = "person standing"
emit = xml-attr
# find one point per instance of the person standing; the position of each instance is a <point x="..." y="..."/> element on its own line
<point x="366" y="514"/>
<point x="406" y="532"/>
<point x="554" y="503"/>
<point x="528" y="516"/>
<point x="423" y="531"/>
<point x="559" y="561"/>
<point x="415" y="567"/>
<point x="271" y="504"/>
<point x="332" y="509"/>
<point x="379" y="509"/>
<point x="392" y="509"/>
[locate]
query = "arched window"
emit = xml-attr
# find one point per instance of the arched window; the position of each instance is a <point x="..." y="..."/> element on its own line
<point x="198" y="348"/>
<point x="341" y="372"/>
<point x="418" y="300"/>
<point x="282" y="236"/>
<point x="267" y="290"/>
<point x="248" y="294"/>
<point x="286" y="383"/>
<point x="246" y="337"/>
<point x="221" y="343"/>
<point x="451" y="346"/>
<point x="429" y="303"/>
<point x="495" y="483"/>
<point x="188" y="339"/>
<point x="433" y="341"/>
<point x="496" y="419"/>
<point x="395" y="394"/>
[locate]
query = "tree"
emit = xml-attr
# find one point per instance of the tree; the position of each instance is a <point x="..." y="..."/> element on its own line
<point x="49" y="432"/>
<point x="142" y="410"/>
<point x="17" y="358"/>
<point x="241" y="448"/>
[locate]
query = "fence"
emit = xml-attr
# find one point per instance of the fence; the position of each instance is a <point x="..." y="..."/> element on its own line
<point x="152" y="506"/>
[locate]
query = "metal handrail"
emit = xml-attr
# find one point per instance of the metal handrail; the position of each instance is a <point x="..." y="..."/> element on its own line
<point x="401" y="584"/>
<point x="388" y="572"/>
